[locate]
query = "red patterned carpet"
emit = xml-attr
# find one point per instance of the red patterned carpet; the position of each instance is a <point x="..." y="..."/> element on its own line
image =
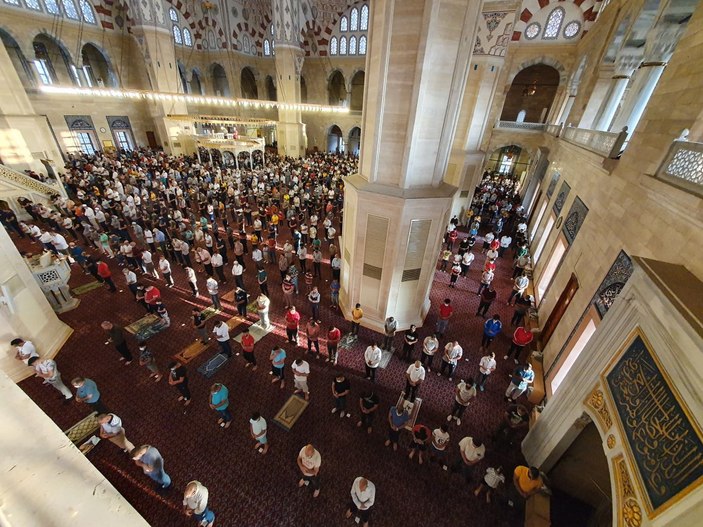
<point x="246" y="488"/>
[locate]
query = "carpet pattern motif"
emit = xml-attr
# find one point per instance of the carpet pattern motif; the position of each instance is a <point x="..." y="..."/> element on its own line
<point x="246" y="488"/>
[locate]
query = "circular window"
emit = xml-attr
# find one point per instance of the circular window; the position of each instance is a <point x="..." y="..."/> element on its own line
<point x="572" y="29"/>
<point x="532" y="31"/>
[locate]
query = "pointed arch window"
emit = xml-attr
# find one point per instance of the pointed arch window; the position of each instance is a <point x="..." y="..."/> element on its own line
<point x="352" y="46"/>
<point x="70" y="9"/>
<point x="354" y="20"/>
<point x="333" y="46"/>
<point x="187" y="37"/>
<point x="267" y="48"/>
<point x="32" y="4"/>
<point x="553" y="25"/>
<point x="344" y="24"/>
<point x="364" y="22"/>
<point x="52" y="6"/>
<point x="343" y="46"/>
<point x="177" y="35"/>
<point x="86" y="11"/>
<point x="173" y="15"/>
<point x="362" y="45"/>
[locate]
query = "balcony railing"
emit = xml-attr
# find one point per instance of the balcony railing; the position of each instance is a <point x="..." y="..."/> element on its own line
<point x="50" y="187"/>
<point x="514" y="125"/>
<point x="683" y="166"/>
<point x="553" y="129"/>
<point x="607" y="144"/>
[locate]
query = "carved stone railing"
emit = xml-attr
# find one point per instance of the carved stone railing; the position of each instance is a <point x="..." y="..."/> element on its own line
<point x="514" y="125"/>
<point x="553" y="129"/>
<point x="607" y="144"/>
<point x="24" y="180"/>
<point x="683" y="166"/>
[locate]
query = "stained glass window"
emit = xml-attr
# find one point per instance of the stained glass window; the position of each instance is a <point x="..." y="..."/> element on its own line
<point x="554" y="22"/>
<point x="177" y="35"/>
<point x="333" y="46"/>
<point x="572" y="29"/>
<point x="87" y="11"/>
<point x="52" y="7"/>
<point x="352" y="46"/>
<point x="532" y="31"/>
<point x="343" y="46"/>
<point x="362" y="45"/>
<point x="173" y="15"/>
<point x="344" y="24"/>
<point x="33" y="4"/>
<point x="187" y="37"/>
<point x="70" y="9"/>
<point x="364" y="25"/>
<point x="354" y="20"/>
<point x="267" y="48"/>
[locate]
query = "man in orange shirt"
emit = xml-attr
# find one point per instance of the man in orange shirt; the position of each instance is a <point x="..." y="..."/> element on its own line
<point x="292" y="323"/>
<point x="248" y="349"/>
<point x="527" y="481"/>
<point x="105" y="273"/>
<point x="333" y="338"/>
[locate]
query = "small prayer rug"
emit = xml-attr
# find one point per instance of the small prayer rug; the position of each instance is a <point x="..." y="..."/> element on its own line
<point x="256" y="331"/>
<point x="289" y="414"/>
<point x="146" y="327"/>
<point x="386" y="357"/>
<point x="83" y="428"/>
<point x="228" y="296"/>
<point x="190" y="352"/>
<point x="209" y="312"/>
<point x="211" y="367"/>
<point x="87" y="288"/>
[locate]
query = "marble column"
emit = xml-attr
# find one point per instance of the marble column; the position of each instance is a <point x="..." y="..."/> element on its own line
<point x="397" y="208"/>
<point x="625" y="64"/>
<point x="291" y="137"/>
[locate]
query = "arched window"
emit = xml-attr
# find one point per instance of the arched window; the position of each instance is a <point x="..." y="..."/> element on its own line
<point x="52" y="7"/>
<point x="364" y="25"/>
<point x="246" y="45"/>
<point x="267" y="48"/>
<point x="32" y="4"/>
<point x="352" y="46"/>
<point x="344" y="24"/>
<point x="362" y="45"/>
<point x="333" y="46"/>
<point x="272" y="30"/>
<point x="343" y="46"/>
<point x="187" y="37"/>
<point x="553" y="25"/>
<point x="177" y="35"/>
<point x="70" y="9"/>
<point x="13" y="2"/>
<point x="86" y="10"/>
<point x="173" y="15"/>
<point x="354" y="20"/>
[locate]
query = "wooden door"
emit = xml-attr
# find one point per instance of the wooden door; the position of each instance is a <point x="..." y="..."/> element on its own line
<point x="559" y="309"/>
<point x="151" y="139"/>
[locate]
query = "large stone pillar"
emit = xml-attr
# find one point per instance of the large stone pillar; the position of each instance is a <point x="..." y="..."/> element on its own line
<point x="396" y="209"/>
<point x="625" y="65"/>
<point x="291" y="137"/>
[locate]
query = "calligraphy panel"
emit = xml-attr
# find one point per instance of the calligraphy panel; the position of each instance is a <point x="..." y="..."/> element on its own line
<point x="665" y="444"/>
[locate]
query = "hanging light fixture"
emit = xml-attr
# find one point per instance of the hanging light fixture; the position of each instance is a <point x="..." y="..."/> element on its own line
<point x="530" y="90"/>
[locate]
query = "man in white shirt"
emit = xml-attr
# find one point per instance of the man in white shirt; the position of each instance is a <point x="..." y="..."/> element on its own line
<point x="111" y="429"/>
<point x="472" y="452"/>
<point x="257" y="256"/>
<point x="195" y="500"/>
<point x="363" y="496"/>
<point x="237" y="270"/>
<point x="165" y="268"/>
<point x="452" y="354"/>
<point x="25" y="350"/>
<point x="148" y="262"/>
<point x="301" y="370"/>
<point x="464" y="393"/>
<point x="414" y="376"/>
<point x="221" y="332"/>
<point x="429" y="347"/>
<point x="217" y="263"/>
<point x="372" y="358"/>
<point x="47" y="370"/>
<point x="440" y="440"/>
<point x="131" y="280"/>
<point x="505" y="242"/>
<point x="486" y="366"/>
<point x="213" y="289"/>
<point x="309" y="461"/>
<point x="59" y="242"/>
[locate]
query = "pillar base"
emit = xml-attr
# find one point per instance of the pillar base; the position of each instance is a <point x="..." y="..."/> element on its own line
<point x="390" y="248"/>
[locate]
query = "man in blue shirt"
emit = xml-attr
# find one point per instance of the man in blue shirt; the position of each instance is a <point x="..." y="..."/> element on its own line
<point x="522" y="377"/>
<point x="491" y="329"/>
<point x="397" y="418"/>
<point x="219" y="401"/>
<point x="149" y="459"/>
<point x="87" y="392"/>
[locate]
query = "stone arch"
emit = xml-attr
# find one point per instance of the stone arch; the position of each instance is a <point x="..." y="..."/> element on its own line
<point x="533" y="90"/>
<point x="103" y="69"/>
<point x="335" y="139"/>
<point x="196" y="82"/>
<point x="18" y="58"/>
<point x="271" y="92"/>
<point x="544" y="59"/>
<point x="58" y="56"/>
<point x="248" y="84"/>
<point x="336" y="88"/>
<point x="218" y="77"/>
<point x="356" y="89"/>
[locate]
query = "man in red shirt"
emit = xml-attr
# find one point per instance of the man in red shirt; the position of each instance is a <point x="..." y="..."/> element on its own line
<point x="292" y="323"/>
<point x="521" y="338"/>
<point x="445" y="312"/>
<point x="312" y="328"/>
<point x="105" y="273"/>
<point x="333" y="338"/>
<point x="248" y="349"/>
<point x="151" y="296"/>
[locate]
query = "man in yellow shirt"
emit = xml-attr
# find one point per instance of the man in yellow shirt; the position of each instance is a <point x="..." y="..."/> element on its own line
<point x="527" y="481"/>
<point x="357" y="315"/>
